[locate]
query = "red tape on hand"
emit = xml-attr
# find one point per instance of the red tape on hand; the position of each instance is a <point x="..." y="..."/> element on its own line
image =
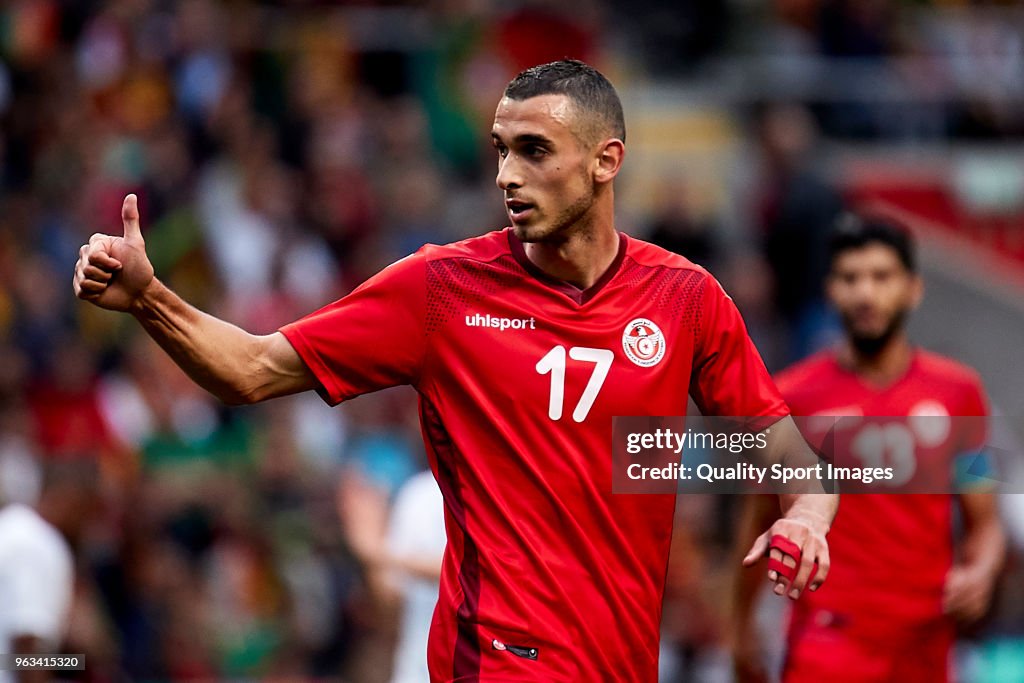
<point x="787" y="547"/>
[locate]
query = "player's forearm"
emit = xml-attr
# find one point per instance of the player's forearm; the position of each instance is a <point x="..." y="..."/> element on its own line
<point x="786" y="445"/>
<point x="813" y="507"/>
<point x="422" y="567"/>
<point x="984" y="545"/>
<point x="218" y="356"/>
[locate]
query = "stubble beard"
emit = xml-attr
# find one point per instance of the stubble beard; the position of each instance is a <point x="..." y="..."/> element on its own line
<point x="870" y="346"/>
<point x="570" y="221"/>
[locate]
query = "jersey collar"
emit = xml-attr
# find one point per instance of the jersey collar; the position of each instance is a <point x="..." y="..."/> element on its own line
<point x="580" y="296"/>
<point x="872" y="386"/>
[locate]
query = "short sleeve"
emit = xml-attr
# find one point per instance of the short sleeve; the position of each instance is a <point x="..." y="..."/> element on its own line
<point x="974" y="467"/>
<point x="371" y="339"/>
<point x="975" y="412"/>
<point x="729" y="378"/>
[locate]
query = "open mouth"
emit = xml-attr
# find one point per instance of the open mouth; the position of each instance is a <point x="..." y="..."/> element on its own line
<point x="518" y="210"/>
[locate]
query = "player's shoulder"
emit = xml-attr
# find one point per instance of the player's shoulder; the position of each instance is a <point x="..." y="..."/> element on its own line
<point x="645" y="253"/>
<point x="486" y="247"/>
<point x="410" y="269"/>
<point x="939" y="368"/>
<point x="809" y="372"/>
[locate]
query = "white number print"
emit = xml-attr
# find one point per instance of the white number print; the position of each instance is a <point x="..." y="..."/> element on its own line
<point x="890" y="445"/>
<point x="554" y="362"/>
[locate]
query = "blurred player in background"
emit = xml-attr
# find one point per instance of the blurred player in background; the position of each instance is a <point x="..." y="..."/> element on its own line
<point x="897" y="587"/>
<point x="401" y="550"/>
<point x="36" y="564"/>
<point x="522" y="345"/>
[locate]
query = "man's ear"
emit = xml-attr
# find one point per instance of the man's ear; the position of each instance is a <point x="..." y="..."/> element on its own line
<point x="608" y="160"/>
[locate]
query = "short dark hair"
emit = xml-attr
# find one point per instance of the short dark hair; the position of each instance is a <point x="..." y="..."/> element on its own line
<point x="589" y="90"/>
<point x="855" y="231"/>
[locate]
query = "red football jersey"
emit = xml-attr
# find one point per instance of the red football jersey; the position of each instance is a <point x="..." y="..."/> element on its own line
<point x="547" y="575"/>
<point x="889" y="552"/>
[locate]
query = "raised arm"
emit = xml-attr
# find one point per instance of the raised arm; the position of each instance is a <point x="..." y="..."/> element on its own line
<point x="114" y="272"/>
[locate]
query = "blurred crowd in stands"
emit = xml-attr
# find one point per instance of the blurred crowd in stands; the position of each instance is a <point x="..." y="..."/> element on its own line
<point x="284" y="151"/>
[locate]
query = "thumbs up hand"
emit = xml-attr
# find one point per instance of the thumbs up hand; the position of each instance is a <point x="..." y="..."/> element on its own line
<point x="113" y="271"/>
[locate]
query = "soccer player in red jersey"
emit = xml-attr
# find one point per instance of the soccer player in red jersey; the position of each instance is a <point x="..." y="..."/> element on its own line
<point x="898" y="585"/>
<point x="523" y="344"/>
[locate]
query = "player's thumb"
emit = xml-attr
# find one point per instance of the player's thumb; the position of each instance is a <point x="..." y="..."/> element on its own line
<point x="757" y="550"/>
<point x="130" y="218"/>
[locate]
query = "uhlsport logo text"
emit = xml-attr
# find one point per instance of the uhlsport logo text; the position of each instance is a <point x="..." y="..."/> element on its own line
<point x="500" y="324"/>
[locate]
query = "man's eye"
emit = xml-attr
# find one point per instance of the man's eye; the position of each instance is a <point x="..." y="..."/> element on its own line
<point x="502" y="150"/>
<point x="535" y="151"/>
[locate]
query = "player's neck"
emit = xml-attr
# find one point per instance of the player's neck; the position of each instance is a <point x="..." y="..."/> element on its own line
<point x="883" y="367"/>
<point x="582" y="258"/>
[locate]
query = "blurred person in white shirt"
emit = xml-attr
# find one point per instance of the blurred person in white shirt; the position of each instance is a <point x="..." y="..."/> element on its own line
<point x="401" y="550"/>
<point x="37" y="564"/>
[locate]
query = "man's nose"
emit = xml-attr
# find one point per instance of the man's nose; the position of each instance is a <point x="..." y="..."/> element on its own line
<point x="509" y="176"/>
<point x="864" y="289"/>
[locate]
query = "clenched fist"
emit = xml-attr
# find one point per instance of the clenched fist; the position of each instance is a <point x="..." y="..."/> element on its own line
<point x="113" y="272"/>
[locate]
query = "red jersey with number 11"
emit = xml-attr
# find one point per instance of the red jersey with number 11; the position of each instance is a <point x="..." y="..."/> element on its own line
<point x="547" y="575"/>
